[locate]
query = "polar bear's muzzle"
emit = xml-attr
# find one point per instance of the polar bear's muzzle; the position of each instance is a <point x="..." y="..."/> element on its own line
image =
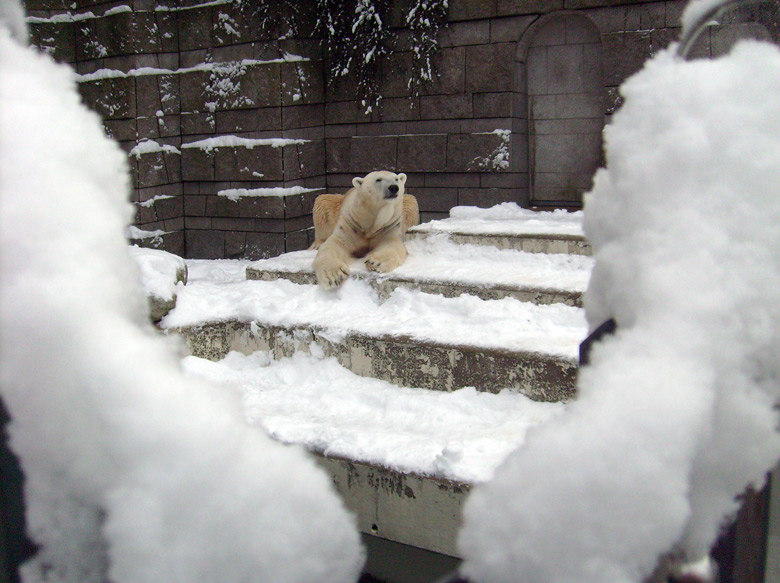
<point x="392" y="191"/>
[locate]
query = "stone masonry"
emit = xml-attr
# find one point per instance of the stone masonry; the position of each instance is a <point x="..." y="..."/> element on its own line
<point x="231" y="135"/>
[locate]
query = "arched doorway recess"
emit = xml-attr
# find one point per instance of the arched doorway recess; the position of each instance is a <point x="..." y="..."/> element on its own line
<point x="565" y="107"/>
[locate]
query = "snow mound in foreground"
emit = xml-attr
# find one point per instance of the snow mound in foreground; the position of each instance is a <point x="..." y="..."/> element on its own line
<point x="135" y="473"/>
<point x="675" y="415"/>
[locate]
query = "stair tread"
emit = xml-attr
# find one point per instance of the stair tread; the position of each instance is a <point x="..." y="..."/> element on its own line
<point x="313" y="401"/>
<point x="439" y="260"/>
<point x="505" y="325"/>
<point x="507" y="219"/>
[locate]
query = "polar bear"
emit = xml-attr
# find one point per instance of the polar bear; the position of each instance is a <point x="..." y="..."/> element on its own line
<point x="326" y="214"/>
<point x="370" y="224"/>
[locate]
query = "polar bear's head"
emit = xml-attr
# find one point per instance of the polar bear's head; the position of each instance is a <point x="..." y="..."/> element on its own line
<point x="383" y="185"/>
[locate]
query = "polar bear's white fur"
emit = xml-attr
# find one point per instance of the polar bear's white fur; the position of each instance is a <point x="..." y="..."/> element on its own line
<point x="325" y="215"/>
<point x="369" y="225"/>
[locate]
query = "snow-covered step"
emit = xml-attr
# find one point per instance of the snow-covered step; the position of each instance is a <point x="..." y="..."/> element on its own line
<point x="409" y="339"/>
<point x="438" y="265"/>
<point x="437" y="365"/>
<point x="508" y="226"/>
<point x="403" y="458"/>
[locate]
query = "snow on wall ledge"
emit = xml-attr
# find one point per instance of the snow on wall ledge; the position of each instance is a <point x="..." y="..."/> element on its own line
<point x="676" y="411"/>
<point x="134" y="473"/>
<point x="209" y="144"/>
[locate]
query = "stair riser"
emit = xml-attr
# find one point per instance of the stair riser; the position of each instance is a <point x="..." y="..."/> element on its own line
<point x="422" y="511"/>
<point x="401" y="361"/>
<point x="530" y="244"/>
<point x="385" y="288"/>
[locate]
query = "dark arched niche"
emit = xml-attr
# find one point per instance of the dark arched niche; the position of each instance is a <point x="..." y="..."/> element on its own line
<point x="561" y="56"/>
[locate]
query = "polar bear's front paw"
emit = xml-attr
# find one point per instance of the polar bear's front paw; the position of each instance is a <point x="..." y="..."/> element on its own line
<point x="332" y="276"/>
<point x="381" y="264"/>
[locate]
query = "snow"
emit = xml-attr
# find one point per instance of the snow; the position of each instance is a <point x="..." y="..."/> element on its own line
<point x="134" y="472"/>
<point x="209" y="144"/>
<point x="150" y="203"/>
<point x="507" y="218"/>
<point x="355" y="308"/>
<point x="696" y="10"/>
<point x="58" y="18"/>
<point x="221" y="67"/>
<point x="78" y="17"/>
<point x="223" y="271"/>
<point x="135" y="234"/>
<point x="12" y="16"/>
<point x="436" y="258"/>
<point x="675" y="415"/>
<point x="314" y="401"/>
<point x="161" y="8"/>
<point x="151" y="146"/>
<point x="499" y="157"/>
<point x="159" y="271"/>
<point x="235" y="194"/>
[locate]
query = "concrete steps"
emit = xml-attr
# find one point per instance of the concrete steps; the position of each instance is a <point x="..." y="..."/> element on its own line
<point x="540" y="243"/>
<point x="404" y="361"/>
<point x="545" y="273"/>
<point x="385" y="286"/>
<point x="437" y="265"/>
<point x="507" y="227"/>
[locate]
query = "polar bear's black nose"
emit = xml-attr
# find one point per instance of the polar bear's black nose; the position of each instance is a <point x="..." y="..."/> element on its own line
<point x="393" y="188"/>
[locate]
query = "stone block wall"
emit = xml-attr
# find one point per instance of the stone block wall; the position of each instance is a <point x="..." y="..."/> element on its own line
<point x="231" y="131"/>
<point x="224" y="129"/>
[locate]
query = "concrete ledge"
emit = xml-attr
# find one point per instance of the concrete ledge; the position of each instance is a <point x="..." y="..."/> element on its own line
<point x="421" y="511"/>
<point x="385" y="284"/>
<point x="399" y="360"/>
<point x="571" y="244"/>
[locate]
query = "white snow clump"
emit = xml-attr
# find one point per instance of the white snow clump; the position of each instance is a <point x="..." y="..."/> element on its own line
<point x="134" y="472"/>
<point x="160" y="271"/>
<point x="676" y="412"/>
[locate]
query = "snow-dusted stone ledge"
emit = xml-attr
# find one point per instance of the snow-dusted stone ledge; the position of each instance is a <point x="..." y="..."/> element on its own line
<point x="400" y="360"/>
<point x="209" y="144"/>
<point x="231" y="158"/>
<point x="156" y="239"/>
<point x="223" y="67"/>
<point x="236" y="194"/>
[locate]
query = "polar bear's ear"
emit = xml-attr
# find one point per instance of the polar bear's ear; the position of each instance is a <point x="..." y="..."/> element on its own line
<point x="357" y="181"/>
<point x="402" y="178"/>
